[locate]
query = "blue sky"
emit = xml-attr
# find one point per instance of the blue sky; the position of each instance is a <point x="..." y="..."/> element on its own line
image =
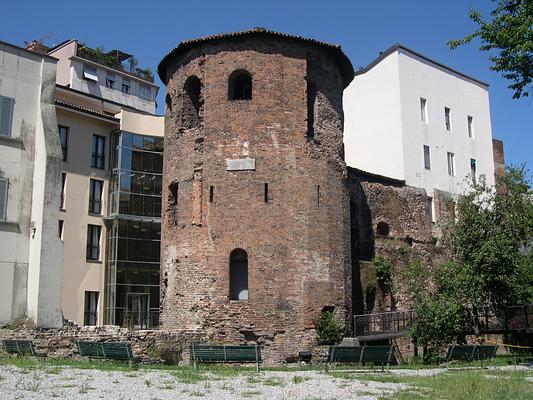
<point x="149" y="29"/>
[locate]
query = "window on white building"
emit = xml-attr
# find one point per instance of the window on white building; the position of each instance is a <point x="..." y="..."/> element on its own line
<point x="95" y="196"/>
<point x="89" y="73"/>
<point x="110" y="80"/>
<point x="61" y="225"/>
<point x="470" y="121"/>
<point x="451" y="164"/>
<point x="431" y="202"/>
<point x="423" y="110"/>
<point x="63" y="188"/>
<point x="145" y="92"/>
<point x="126" y="86"/>
<point x="63" y="138"/>
<point x="447" y="119"/>
<point x="427" y="160"/>
<point x="6" y="115"/>
<point x="4" y="184"/>
<point x="473" y="169"/>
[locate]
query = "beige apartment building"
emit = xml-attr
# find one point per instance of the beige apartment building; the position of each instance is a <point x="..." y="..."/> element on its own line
<point x="80" y="187"/>
<point x="98" y="102"/>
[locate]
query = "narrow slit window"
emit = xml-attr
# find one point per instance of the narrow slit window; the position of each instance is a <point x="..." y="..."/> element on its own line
<point x="266" y="192"/>
<point x="427" y="160"/>
<point x="173" y="190"/>
<point x="423" y="110"/>
<point x="473" y="169"/>
<point x="451" y="164"/>
<point x="447" y="119"/>
<point x="63" y="190"/>
<point x="211" y="194"/>
<point x="311" y="100"/>
<point x="318" y="195"/>
<point x="470" y="121"/>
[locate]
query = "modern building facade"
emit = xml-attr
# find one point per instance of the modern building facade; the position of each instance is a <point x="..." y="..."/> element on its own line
<point x="414" y="119"/>
<point x="31" y="254"/>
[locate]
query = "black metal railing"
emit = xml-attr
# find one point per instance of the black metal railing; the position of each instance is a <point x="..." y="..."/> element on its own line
<point x="510" y="319"/>
<point x="385" y="323"/>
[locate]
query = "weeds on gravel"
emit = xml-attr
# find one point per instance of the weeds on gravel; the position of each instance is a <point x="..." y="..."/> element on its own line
<point x="298" y="379"/>
<point x="189" y="375"/>
<point x="148" y="382"/>
<point x="250" y="393"/>
<point x="274" y="381"/>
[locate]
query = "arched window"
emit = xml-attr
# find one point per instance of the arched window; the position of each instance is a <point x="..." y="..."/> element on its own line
<point x="238" y="275"/>
<point x="191" y="102"/>
<point x="240" y="85"/>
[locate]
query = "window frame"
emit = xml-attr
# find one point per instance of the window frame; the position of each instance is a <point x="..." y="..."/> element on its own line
<point x="91" y="245"/>
<point x="448" y="119"/>
<point x="92" y="200"/>
<point x="423" y="110"/>
<point x="64" y="146"/>
<point x="427" y="160"/>
<point x="9" y="129"/>
<point x="110" y="80"/>
<point x="473" y="171"/>
<point x="470" y="126"/>
<point x="88" y="74"/>
<point x="450" y="157"/>
<point x="95" y="156"/>
<point x="126" y="83"/>
<point x="145" y="92"/>
<point x="3" y="212"/>
<point x="62" y="196"/>
<point x="88" y="312"/>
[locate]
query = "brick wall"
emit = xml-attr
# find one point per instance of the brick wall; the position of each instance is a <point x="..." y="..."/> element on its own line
<point x="297" y="242"/>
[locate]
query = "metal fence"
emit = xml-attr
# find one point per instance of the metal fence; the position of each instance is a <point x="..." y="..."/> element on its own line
<point x="385" y="323"/>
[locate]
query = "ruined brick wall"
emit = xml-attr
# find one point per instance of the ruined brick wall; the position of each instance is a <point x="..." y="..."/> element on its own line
<point x="297" y="241"/>
<point x="499" y="158"/>
<point x="392" y="221"/>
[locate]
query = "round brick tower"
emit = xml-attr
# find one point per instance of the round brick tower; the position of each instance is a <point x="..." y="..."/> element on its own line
<point x="255" y="231"/>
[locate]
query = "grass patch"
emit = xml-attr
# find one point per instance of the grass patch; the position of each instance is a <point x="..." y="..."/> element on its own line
<point x="250" y="393"/>
<point x="189" y="375"/>
<point x="274" y="381"/>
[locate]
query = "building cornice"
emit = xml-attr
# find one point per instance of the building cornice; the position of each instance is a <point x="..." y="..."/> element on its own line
<point x="399" y="47"/>
<point x="86" y="111"/>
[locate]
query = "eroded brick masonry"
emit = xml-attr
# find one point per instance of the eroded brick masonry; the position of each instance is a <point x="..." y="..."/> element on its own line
<point x="262" y="179"/>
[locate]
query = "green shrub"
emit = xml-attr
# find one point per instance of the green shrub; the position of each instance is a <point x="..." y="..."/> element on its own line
<point x="328" y="329"/>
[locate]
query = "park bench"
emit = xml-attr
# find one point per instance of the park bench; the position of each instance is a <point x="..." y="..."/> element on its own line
<point x="109" y="350"/>
<point x="21" y="347"/>
<point x="470" y="353"/>
<point x="202" y="353"/>
<point x="381" y="355"/>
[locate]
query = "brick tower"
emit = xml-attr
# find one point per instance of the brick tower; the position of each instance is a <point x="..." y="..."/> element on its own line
<point x="255" y="232"/>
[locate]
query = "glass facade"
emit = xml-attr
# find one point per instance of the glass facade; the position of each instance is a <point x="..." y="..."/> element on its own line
<point x="134" y="231"/>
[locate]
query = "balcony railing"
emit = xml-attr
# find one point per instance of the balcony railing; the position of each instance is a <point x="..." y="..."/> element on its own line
<point x="392" y="323"/>
<point x="137" y="319"/>
<point x="510" y="319"/>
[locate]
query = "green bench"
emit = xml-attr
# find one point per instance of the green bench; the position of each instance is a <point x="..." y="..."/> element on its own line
<point x="381" y="355"/>
<point x="110" y="350"/>
<point x="470" y="353"/>
<point x="20" y="347"/>
<point x="203" y="353"/>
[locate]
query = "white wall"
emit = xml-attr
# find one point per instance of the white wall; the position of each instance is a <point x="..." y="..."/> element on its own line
<point x="384" y="134"/>
<point x="372" y="124"/>
<point x="442" y="88"/>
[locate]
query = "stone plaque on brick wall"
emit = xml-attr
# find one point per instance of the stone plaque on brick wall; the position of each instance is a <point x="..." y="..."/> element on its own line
<point x="244" y="164"/>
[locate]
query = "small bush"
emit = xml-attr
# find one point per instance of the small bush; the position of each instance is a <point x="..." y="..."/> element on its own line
<point x="328" y="329"/>
<point x="170" y="354"/>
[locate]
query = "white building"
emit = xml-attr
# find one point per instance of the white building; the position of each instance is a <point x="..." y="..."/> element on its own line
<point x="31" y="253"/>
<point x="414" y="119"/>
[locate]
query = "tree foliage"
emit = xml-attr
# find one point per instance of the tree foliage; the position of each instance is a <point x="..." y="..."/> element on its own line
<point x="328" y="329"/>
<point x="510" y="35"/>
<point x="492" y="264"/>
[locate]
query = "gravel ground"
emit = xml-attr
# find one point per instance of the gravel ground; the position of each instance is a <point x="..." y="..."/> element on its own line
<point x="74" y="384"/>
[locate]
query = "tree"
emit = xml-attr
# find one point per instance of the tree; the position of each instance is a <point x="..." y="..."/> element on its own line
<point x="491" y="267"/>
<point x="510" y="35"/>
<point x="328" y="329"/>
